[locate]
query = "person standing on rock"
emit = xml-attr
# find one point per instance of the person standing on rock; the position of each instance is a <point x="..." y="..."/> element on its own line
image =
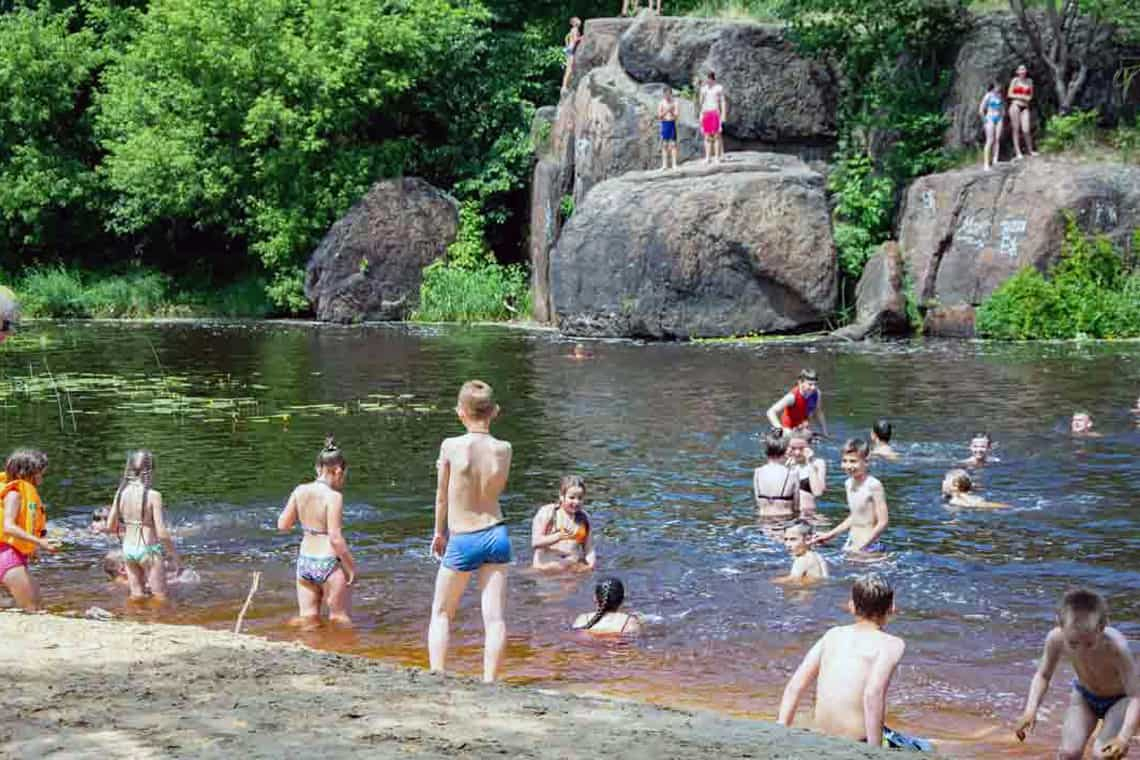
<point x="713" y="115"/>
<point x="9" y="311"/>
<point x="573" y="39"/>
<point x="1020" y="97"/>
<point x="668" y="111"/>
<point x="992" y="111"/>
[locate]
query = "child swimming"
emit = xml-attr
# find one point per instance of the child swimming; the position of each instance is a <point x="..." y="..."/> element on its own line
<point x="608" y="617"/>
<point x="957" y="489"/>
<point x="560" y="532"/>
<point x="881" y="433"/>
<point x="808" y="565"/>
<point x="852" y="666"/>
<point x="137" y="507"/>
<point x="981" y="447"/>
<point x="325" y="565"/>
<point x="1106" y="690"/>
<point x="867" y="501"/>
<point x="24" y="527"/>
<point x="1081" y="425"/>
<point x="469" y="532"/>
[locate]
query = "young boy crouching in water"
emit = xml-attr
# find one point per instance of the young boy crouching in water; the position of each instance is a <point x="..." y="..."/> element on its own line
<point x="807" y="565"/>
<point x="853" y="665"/>
<point x="1107" y="687"/>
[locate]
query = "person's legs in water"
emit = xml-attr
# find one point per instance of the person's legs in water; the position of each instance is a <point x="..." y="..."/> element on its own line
<point x="1078" y="725"/>
<point x="338" y="594"/>
<point x="493" y="586"/>
<point x="309" y="596"/>
<point x="156" y="576"/>
<point x="23" y="588"/>
<point x="136" y="580"/>
<point x="449" y="586"/>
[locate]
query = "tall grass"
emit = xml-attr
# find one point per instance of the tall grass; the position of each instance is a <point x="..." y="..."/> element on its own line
<point x="451" y="293"/>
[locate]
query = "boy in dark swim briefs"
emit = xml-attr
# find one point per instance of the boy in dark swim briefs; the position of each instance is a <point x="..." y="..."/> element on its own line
<point x="1106" y="690"/>
<point x="668" y="110"/>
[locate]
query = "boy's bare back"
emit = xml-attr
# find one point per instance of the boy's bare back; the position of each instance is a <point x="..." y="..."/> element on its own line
<point x="476" y="466"/>
<point x="855" y="660"/>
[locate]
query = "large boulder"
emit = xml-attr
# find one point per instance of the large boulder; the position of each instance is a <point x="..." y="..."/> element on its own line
<point x="775" y="96"/>
<point x="369" y="264"/>
<point x="599" y="45"/>
<point x="880" y="297"/>
<point x="964" y="233"/>
<point x="740" y="247"/>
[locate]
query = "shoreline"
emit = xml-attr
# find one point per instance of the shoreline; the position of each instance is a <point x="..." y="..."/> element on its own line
<point x="150" y="690"/>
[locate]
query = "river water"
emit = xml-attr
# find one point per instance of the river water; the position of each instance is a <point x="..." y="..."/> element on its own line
<point x="666" y="438"/>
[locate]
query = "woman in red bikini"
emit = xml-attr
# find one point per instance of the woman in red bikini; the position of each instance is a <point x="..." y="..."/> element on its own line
<point x="1020" y="97"/>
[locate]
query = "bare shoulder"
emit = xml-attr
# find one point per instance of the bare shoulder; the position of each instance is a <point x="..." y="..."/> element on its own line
<point x="1055" y="639"/>
<point x="895" y="645"/>
<point x="1119" y="642"/>
<point x="581" y="620"/>
<point x="502" y="446"/>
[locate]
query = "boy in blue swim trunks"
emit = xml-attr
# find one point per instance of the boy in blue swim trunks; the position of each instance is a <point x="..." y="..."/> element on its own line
<point x="1107" y="687"/>
<point x="668" y="111"/>
<point x="469" y="534"/>
<point x="867" y="501"/>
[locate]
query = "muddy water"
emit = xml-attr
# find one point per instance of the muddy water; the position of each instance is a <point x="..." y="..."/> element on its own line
<point x="666" y="437"/>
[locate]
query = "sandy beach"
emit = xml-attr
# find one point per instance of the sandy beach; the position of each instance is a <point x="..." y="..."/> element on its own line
<point x="84" y="688"/>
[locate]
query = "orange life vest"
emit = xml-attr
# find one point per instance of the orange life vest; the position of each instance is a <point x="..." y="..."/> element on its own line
<point x="32" y="517"/>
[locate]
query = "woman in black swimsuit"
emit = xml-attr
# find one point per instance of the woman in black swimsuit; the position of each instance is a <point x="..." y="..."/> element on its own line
<point x="775" y="486"/>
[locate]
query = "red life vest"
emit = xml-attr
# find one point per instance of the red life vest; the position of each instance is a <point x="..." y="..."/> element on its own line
<point x="800" y="410"/>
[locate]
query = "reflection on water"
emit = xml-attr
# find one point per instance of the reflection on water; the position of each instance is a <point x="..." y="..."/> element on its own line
<point x="666" y="437"/>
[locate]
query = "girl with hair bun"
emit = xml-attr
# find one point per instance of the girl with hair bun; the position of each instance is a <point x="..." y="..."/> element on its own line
<point x="608" y="618"/>
<point x="137" y="507"/>
<point x="325" y="566"/>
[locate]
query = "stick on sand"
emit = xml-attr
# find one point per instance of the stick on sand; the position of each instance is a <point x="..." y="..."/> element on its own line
<point x="249" y="598"/>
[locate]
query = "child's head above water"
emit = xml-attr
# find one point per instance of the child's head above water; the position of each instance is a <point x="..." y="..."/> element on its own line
<point x="572" y="491"/>
<point x="26" y="464"/>
<point x="1081" y="422"/>
<point x="776" y="444"/>
<point x="796" y="537"/>
<point x="980" y="445"/>
<point x="855" y="453"/>
<point x="956" y="481"/>
<point x="881" y="431"/>
<point x="1082" y="611"/>
<point x="114" y="565"/>
<point x="872" y="597"/>
<point x="476" y="402"/>
<point x="608" y="596"/>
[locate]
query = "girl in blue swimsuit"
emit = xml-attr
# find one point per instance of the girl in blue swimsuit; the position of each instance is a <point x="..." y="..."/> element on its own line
<point x="136" y="512"/>
<point x="325" y="567"/>
<point x="992" y="111"/>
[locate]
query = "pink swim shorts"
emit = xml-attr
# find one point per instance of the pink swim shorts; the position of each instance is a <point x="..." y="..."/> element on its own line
<point x="710" y="122"/>
<point x="10" y="558"/>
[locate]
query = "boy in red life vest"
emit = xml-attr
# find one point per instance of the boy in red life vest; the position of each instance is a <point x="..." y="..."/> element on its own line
<point x="800" y="405"/>
<point x="23" y="529"/>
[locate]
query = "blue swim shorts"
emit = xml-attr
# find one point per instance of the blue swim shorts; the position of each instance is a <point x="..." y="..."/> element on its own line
<point x="1098" y="704"/>
<point x="669" y="131"/>
<point x="467" y="552"/>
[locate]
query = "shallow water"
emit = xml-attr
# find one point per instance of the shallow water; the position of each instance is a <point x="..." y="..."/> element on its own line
<point x="666" y="437"/>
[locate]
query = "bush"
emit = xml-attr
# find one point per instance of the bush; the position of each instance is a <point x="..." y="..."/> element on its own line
<point x="140" y="294"/>
<point x="1087" y="295"/>
<point x="865" y="202"/>
<point x="52" y="292"/>
<point x="1126" y="139"/>
<point x="1074" y="131"/>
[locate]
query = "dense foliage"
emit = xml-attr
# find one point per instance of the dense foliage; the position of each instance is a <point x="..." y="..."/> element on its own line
<point x="1089" y="293"/>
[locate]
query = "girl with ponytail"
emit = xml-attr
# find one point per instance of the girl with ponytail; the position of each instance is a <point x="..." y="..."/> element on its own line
<point x="608" y="618"/>
<point x="137" y="508"/>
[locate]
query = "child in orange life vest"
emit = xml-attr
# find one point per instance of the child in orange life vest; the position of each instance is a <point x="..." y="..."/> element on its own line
<point x="800" y="405"/>
<point x="24" y="526"/>
<point x="560" y="532"/>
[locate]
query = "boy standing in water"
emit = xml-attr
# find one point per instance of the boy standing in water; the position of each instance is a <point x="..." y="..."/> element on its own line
<point x="800" y="405"/>
<point x="853" y="666"/>
<point x="469" y="532"/>
<point x="807" y="565"/>
<point x="867" y="501"/>
<point x="1107" y="687"/>
<point x="881" y="433"/>
<point x="668" y="110"/>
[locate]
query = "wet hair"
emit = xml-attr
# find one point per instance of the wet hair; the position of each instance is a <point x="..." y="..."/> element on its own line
<point x="1082" y="608"/>
<point x="608" y="595"/>
<point x="478" y="400"/>
<point x="331" y="455"/>
<point x="809" y="374"/>
<point x="803" y="527"/>
<point x="856" y="446"/>
<point x="775" y="444"/>
<point x="961" y="480"/>
<point x="112" y="563"/>
<point x="982" y="434"/>
<point x="1081" y="413"/>
<point x="883" y="430"/>
<point x="25" y="463"/>
<point x="872" y="596"/>
<point x="140" y="467"/>
<point x="570" y="481"/>
<point x="667" y="90"/>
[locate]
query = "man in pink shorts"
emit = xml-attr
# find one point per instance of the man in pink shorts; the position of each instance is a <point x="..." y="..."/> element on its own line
<point x="713" y="114"/>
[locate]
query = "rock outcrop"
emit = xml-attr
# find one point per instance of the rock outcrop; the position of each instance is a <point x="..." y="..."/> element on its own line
<point x="369" y="264"/>
<point x="880" y="298"/>
<point x="964" y="233"/>
<point x="729" y="249"/>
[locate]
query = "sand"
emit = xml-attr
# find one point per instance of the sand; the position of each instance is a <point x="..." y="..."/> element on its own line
<point x="84" y="688"/>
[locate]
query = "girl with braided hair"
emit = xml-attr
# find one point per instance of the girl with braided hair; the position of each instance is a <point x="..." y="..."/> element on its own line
<point x="607" y="618"/>
<point x="137" y="507"/>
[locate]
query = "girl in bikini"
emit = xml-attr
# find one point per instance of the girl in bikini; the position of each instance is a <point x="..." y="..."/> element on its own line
<point x="775" y="486"/>
<point x="325" y="567"/>
<point x="137" y="509"/>
<point x="992" y="111"/>
<point x="608" y="618"/>
<point x="1020" y="97"/>
<point x="810" y="471"/>
<point x="560" y="532"/>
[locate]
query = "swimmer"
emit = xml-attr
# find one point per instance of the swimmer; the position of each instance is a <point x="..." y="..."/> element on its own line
<point x="668" y="112"/>
<point x="867" y="501"/>
<point x="802" y="404"/>
<point x="810" y="471"/>
<point x="560" y="532"/>
<point x="608" y="618"/>
<point x="9" y="312"/>
<point x="580" y="352"/>
<point x="852" y="666"/>
<point x="881" y="433"/>
<point x="1136" y="409"/>
<point x="469" y="532"/>
<point x="138" y="507"/>
<point x="957" y="489"/>
<point x="326" y="568"/>
<point x="1106" y="690"/>
<point x="25" y="520"/>
<point x="1082" y="425"/>
<point x="807" y="565"/>
<point x="775" y="486"/>
<point x="981" y="447"/>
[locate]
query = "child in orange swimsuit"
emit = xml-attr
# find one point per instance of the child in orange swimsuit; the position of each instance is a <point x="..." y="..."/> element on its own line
<point x="560" y="532"/>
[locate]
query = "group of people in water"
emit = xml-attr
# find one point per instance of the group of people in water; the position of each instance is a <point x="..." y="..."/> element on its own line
<point x="851" y="665"/>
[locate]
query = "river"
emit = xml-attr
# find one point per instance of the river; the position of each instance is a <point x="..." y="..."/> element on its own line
<point x="666" y="437"/>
